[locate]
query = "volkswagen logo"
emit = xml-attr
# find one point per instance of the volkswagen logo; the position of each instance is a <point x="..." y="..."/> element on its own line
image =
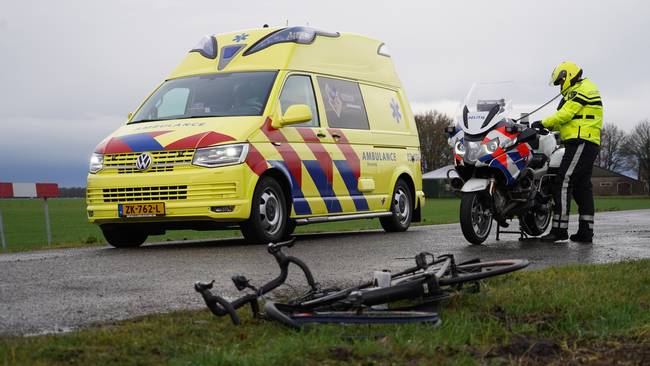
<point x="143" y="162"/>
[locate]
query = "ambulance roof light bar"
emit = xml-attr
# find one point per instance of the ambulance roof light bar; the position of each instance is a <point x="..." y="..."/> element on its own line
<point x="298" y="34"/>
<point x="207" y="47"/>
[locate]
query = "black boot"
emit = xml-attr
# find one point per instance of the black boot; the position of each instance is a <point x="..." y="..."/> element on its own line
<point x="555" y="235"/>
<point x="585" y="233"/>
<point x="582" y="237"/>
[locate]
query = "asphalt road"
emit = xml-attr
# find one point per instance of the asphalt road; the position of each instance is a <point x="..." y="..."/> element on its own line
<point x="59" y="290"/>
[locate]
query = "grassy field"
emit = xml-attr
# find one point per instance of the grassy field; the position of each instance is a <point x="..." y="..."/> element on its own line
<point x="25" y="227"/>
<point x="583" y="314"/>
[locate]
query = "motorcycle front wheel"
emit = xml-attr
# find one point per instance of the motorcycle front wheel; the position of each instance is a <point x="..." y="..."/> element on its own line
<point x="475" y="217"/>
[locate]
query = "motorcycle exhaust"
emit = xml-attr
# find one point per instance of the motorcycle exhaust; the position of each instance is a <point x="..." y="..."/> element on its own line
<point x="457" y="183"/>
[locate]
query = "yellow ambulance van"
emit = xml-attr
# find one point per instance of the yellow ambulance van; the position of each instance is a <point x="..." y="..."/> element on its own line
<point x="264" y="130"/>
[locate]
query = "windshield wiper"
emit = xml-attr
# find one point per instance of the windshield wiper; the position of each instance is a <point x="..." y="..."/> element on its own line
<point x="170" y="119"/>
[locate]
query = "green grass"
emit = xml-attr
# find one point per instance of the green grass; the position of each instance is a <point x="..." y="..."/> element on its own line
<point x="25" y="225"/>
<point x="594" y="314"/>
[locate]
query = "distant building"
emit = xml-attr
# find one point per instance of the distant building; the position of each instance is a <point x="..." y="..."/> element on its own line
<point x="610" y="183"/>
<point x="435" y="184"/>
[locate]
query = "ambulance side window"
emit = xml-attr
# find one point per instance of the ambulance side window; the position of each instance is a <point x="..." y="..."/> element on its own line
<point x="343" y="103"/>
<point x="299" y="90"/>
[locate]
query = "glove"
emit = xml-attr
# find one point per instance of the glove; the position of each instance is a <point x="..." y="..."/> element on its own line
<point x="537" y="125"/>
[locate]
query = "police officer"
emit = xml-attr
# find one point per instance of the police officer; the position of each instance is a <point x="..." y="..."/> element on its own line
<point x="579" y="119"/>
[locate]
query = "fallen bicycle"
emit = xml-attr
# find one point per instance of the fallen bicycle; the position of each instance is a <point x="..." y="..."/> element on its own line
<point x="423" y="287"/>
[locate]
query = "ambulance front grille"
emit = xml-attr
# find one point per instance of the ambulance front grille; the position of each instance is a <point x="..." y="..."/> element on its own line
<point x="197" y="192"/>
<point x="162" y="161"/>
<point x="139" y="194"/>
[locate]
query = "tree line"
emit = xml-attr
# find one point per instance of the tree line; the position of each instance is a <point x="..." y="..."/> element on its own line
<point x="620" y="152"/>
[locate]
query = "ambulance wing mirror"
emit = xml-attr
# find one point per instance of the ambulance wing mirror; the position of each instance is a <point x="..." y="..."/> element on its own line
<point x="296" y="113"/>
<point x="128" y="116"/>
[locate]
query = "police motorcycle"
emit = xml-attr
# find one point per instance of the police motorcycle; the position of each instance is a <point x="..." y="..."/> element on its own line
<point x="505" y="168"/>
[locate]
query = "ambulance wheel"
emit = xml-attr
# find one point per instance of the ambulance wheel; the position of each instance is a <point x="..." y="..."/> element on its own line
<point x="402" y="208"/>
<point x="268" y="220"/>
<point x="124" y="236"/>
<point x="291" y="227"/>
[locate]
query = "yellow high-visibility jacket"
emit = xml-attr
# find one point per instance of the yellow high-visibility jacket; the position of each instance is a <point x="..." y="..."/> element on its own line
<point x="580" y="113"/>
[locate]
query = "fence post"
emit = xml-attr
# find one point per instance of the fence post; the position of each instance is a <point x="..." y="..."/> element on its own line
<point x="2" y="234"/>
<point x="48" y="231"/>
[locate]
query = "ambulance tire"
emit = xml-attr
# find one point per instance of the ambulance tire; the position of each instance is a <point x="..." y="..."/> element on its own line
<point x="269" y="215"/>
<point x="124" y="236"/>
<point x="402" y="208"/>
<point x="291" y="227"/>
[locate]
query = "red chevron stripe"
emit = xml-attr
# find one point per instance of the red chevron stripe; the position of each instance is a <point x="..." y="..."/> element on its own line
<point x="523" y="149"/>
<point x="501" y="157"/>
<point x="323" y="157"/>
<point x="203" y="139"/>
<point x="255" y="160"/>
<point x="101" y="147"/>
<point x="348" y="152"/>
<point x="115" y="145"/>
<point x="289" y="155"/>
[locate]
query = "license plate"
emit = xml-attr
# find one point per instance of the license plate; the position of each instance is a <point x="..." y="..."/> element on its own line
<point x="141" y="209"/>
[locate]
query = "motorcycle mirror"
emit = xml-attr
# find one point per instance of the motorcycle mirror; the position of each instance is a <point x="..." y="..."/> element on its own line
<point x="527" y="135"/>
<point x="512" y="129"/>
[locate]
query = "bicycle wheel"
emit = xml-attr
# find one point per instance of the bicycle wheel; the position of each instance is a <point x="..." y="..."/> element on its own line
<point x="471" y="272"/>
<point x="421" y="285"/>
<point x="288" y="315"/>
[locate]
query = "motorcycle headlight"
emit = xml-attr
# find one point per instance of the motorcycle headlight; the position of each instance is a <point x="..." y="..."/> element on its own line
<point x="96" y="163"/>
<point x="211" y="157"/>
<point x="459" y="148"/>
<point x="491" y="146"/>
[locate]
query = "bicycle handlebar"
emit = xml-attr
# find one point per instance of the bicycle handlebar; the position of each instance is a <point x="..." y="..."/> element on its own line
<point x="274" y="247"/>
<point x="217" y="304"/>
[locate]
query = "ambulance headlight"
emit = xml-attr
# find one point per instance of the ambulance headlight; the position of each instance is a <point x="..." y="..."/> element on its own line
<point x="211" y="157"/>
<point x="459" y="149"/>
<point x="491" y="146"/>
<point x="96" y="163"/>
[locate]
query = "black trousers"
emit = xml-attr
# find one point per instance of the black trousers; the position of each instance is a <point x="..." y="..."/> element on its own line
<point x="574" y="179"/>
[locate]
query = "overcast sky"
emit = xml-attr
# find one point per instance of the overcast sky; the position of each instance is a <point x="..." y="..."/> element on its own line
<point x="70" y="71"/>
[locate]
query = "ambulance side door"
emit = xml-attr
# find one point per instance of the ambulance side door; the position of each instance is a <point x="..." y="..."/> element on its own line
<point x="347" y="124"/>
<point x="307" y="143"/>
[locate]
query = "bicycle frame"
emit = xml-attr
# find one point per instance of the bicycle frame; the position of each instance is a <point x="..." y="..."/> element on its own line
<point x="220" y="307"/>
<point x="426" y="281"/>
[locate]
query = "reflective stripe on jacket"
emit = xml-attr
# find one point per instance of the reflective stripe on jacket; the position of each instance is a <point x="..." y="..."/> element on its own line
<point x="580" y="113"/>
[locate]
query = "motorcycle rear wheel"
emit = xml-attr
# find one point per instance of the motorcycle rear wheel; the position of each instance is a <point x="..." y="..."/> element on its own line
<point x="535" y="223"/>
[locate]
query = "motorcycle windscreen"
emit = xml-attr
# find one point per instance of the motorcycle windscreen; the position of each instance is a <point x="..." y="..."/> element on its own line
<point x="485" y="105"/>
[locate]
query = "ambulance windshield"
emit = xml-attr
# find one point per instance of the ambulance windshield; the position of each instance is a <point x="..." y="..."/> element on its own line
<point x="213" y="95"/>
